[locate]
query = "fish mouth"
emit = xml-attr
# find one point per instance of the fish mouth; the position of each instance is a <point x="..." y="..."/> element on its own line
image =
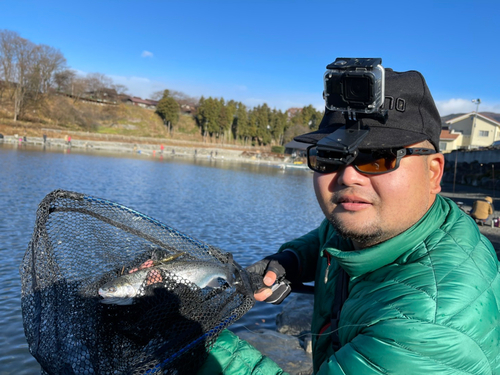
<point x="105" y="292"/>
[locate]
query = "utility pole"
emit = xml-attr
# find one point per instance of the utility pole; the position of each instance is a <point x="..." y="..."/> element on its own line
<point x="477" y="101"/>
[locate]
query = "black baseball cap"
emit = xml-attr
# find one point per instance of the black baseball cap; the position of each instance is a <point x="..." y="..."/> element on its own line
<point x="412" y="116"/>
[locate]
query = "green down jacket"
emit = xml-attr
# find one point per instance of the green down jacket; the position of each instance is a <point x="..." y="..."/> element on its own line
<point x="424" y="302"/>
<point x="231" y="355"/>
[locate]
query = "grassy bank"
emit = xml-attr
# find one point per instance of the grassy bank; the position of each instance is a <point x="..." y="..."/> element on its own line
<point x="60" y="116"/>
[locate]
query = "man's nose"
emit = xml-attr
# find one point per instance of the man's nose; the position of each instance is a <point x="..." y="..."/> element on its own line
<point x="349" y="176"/>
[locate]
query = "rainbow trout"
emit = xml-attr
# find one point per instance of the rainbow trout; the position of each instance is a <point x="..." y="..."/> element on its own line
<point x="123" y="289"/>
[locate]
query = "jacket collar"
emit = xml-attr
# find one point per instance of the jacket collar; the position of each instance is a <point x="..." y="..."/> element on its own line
<point x="359" y="262"/>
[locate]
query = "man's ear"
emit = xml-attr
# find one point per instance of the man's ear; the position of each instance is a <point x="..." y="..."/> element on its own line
<point x="436" y="168"/>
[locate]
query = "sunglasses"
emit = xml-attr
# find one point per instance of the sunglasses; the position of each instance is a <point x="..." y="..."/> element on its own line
<point x="366" y="161"/>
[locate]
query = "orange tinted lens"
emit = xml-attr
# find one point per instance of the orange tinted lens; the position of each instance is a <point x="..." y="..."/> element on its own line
<point x="367" y="163"/>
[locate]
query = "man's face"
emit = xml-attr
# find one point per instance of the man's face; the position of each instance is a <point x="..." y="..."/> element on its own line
<point x="370" y="209"/>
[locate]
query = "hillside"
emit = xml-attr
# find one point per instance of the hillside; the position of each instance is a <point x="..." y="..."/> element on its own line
<point x="61" y="114"/>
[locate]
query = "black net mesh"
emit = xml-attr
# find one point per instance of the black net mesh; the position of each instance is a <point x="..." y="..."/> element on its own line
<point x="172" y="311"/>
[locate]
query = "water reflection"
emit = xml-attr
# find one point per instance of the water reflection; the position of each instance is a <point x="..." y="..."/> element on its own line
<point x="247" y="209"/>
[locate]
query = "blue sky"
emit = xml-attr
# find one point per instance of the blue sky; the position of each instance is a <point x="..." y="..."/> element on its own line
<point x="272" y="52"/>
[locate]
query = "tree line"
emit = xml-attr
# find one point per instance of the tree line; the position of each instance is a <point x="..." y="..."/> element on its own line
<point x="30" y="73"/>
<point x="227" y="122"/>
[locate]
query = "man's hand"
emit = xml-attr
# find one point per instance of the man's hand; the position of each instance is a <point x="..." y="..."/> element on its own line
<point x="264" y="293"/>
<point x="273" y="269"/>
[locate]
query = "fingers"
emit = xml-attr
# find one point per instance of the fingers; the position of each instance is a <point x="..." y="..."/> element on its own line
<point x="270" y="278"/>
<point x="264" y="293"/>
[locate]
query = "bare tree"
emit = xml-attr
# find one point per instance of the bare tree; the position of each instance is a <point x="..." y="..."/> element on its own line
<point x="97" y="83"/>
<point x="157" y="95"/>
<point x="7" y="58"/>
<point x="50" y="61"/>
<point x="120" y="89"/>
<point x="178" y="96"/>
<point x="24" y="54"/>
<point x="63" y="80"/>
<point x="79" y="86"/>
<point x="27" y="69"/>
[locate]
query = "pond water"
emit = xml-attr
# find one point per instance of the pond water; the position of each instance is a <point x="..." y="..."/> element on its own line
<point x="246" y="209"/>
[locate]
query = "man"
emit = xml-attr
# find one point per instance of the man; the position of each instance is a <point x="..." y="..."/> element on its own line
<point x="404" y="281"/>
<point x="482" y="210"/>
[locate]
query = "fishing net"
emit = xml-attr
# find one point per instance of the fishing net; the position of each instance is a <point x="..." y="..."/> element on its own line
<point x="81" y="243"/>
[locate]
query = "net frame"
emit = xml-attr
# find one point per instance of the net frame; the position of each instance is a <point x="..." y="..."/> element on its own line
<point x="79" y="243"/>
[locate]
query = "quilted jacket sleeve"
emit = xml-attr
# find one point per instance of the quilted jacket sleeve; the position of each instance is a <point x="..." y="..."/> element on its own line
<point x="308" y="248"/>
<point x="231" y="355"/>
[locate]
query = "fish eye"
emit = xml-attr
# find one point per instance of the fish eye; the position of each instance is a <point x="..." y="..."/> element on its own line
<point x="112" y="289"/>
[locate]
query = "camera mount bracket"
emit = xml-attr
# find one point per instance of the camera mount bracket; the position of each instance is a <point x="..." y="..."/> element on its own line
<point x="343" y="143"/>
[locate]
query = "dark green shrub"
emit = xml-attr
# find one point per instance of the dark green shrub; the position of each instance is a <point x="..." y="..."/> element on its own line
<point x="278" y="149"/>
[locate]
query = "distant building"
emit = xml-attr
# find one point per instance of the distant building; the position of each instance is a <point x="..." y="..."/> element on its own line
<point x="469" y="131"/>
<point x="292" y="112"/>
<point x="296" y="149"/>
<point x="144" y="103"/>
<point x="104" y="95"/>
<point x="187" y="108"/>
<point x="448" y="141"/>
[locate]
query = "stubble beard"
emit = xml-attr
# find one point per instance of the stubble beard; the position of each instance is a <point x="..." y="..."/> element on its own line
<point x="368" y="236"/>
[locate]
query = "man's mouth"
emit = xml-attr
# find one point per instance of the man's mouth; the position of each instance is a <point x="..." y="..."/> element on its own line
<point x="347" y="199"/>
<point x="353" y="203"/>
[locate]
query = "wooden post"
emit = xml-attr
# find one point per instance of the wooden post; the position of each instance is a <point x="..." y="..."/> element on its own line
<point x="455" y="173"/>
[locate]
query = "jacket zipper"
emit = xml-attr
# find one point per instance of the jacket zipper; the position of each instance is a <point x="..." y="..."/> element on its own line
<point x="328" y="259"/>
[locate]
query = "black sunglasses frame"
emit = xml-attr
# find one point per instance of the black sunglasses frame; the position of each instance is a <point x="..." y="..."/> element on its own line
<point x="398" y="153"/>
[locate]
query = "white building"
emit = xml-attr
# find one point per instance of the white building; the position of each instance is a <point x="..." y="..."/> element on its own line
<point x="469" y="131"/>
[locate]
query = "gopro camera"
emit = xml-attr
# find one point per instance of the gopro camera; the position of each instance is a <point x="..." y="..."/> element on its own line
<point x="355" y="86"/>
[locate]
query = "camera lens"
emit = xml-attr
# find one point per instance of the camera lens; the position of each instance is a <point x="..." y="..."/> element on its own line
<point x="357" y="89"/>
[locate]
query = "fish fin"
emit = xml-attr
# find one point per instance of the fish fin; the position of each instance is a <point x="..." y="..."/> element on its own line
<point x="216" y="282"/>
<point x="117" y="301"/>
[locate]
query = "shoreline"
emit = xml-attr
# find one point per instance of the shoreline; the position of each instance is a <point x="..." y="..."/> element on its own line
<point x="460" y="193"/>
<point x="171" y="148"/>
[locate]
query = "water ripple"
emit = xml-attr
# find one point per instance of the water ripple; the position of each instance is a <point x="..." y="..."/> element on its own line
<point x="247" y="210"/>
